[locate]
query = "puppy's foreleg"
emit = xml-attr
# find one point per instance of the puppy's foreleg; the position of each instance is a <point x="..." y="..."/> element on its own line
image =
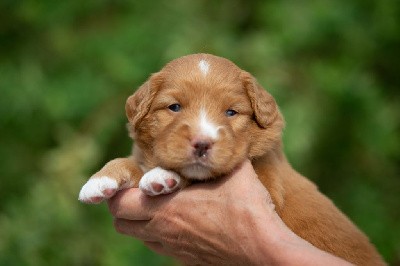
<point x="115" y="175"/>
<point x="159" y="181"/>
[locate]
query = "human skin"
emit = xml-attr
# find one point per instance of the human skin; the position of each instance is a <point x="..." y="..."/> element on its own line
<point x="227" y="221"/>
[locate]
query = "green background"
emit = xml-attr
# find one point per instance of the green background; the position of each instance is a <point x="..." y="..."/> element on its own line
<point x="67" y="67"/>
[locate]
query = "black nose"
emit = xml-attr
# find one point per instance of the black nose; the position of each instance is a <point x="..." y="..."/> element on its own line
<point x="201" y="148"/>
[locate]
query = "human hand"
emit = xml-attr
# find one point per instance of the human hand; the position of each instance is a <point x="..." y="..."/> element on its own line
<point x="229" y="221"/>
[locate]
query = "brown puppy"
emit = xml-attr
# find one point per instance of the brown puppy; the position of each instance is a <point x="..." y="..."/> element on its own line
<point x="201" y="116"/>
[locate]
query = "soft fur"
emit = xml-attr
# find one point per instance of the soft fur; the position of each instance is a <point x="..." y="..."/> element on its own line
<point x="167" y="140"/>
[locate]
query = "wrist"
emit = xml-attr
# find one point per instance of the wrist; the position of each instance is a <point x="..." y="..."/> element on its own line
<point x="271" y="241"/>
<point x="276" y="244"/>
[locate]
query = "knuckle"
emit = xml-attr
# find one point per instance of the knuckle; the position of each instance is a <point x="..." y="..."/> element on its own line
<point x="118" y="225"/>
<point x="114" y="208"/>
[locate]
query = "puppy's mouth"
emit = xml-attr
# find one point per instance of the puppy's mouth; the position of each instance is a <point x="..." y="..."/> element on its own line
<point x="197" y="170"/>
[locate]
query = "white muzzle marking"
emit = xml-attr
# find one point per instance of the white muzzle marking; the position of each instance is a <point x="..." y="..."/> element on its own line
<point x="207" y="129"/>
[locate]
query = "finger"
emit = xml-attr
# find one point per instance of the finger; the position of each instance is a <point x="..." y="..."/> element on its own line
<point x="250" y="181"/>
<point x="245" y="170"/>
<point x="243" y="179"/>
<point x="132" y="204"/>
<point x="136" y="229"/>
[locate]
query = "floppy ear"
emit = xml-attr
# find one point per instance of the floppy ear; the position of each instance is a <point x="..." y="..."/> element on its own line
<point x="266" y="111"/>
<point x="138" y="104"/>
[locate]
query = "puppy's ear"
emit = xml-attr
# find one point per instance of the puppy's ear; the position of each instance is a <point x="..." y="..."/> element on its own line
<point x="266" y="111"/>
<point x="138" y="104"/>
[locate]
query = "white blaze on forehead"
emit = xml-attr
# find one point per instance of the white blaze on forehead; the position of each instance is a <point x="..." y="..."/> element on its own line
<point x="204" y="66"/>
<point x="207" y="128"/>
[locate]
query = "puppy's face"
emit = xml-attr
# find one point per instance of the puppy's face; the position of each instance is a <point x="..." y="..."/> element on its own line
<point x="201" y="116"/>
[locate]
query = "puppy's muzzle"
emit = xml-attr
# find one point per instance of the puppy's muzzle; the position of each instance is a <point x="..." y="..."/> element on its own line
<point x="201" y="148"/>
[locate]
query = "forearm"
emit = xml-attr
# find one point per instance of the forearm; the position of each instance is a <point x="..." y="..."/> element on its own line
<point x="273" y="243"/>
<point x="287" y="249"/>
<point x="298" y="255"/>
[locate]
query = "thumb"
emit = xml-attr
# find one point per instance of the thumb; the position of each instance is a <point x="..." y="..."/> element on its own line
<point x="244" y="180"/>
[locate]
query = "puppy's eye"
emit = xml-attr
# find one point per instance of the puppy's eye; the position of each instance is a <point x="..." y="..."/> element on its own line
<point x="230" y="112"/>
<point x="176" y="107"/>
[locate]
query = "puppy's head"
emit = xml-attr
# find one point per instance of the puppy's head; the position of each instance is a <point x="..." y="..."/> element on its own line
<point x="201" y="116"/>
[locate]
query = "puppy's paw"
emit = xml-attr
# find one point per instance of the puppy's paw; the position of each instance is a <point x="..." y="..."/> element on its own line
<point x="98" y="189"/>
<point x="159" y="181"/>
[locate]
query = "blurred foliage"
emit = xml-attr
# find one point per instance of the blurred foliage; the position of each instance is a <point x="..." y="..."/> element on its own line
<point x="66" y="68"/>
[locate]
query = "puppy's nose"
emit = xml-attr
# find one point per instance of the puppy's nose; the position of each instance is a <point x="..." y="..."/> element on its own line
<point x="201" y="148"/>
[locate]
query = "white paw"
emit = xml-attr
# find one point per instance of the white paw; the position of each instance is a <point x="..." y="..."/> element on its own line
<point x="159" y="181"/>
<point x="98" y="189"/>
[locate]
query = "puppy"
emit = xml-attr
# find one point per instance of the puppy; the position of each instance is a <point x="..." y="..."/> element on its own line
<point x="199" y="118"/>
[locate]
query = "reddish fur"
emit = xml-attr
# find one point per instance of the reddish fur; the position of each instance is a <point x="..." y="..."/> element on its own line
<point x="162" y="138"/>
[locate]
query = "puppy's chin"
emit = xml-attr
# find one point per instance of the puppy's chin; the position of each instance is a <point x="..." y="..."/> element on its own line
<point x="196" y="172"/>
